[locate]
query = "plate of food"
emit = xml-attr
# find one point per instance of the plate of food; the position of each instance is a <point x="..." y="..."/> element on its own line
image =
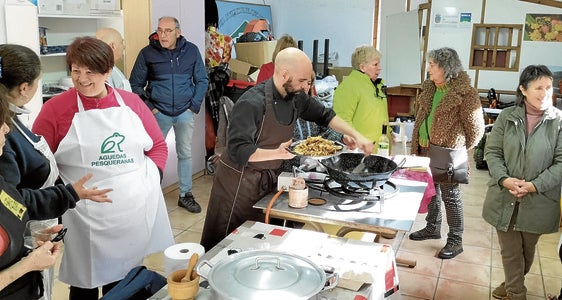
<point x="316" y="147"/>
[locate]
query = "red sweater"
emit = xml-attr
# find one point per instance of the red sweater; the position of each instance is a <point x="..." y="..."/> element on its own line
<point x="266" y="72"/>
<point x="55" y="118"/>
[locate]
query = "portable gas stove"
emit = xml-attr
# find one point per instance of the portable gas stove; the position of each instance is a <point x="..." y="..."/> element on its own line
<point x="351" y="196"/>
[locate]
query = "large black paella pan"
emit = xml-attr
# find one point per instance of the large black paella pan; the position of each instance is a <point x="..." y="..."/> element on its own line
<point x="378" y="169"/>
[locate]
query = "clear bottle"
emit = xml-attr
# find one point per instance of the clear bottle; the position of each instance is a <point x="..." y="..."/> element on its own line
<point x="383" y="143"/>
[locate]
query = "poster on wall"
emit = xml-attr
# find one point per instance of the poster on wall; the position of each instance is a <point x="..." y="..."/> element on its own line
<point x="451" y="17"/>
<point x="543" y="28"/>
<point x="234" y="16"/>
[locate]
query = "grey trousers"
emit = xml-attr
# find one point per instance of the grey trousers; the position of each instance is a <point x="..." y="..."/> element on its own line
<point x="517" y="251"/>
<point x="451" y="196"/>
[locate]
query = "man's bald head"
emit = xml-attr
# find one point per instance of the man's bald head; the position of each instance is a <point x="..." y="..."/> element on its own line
<point x="292" y="71"/>
<point x="114" y="39"/>
<point x="290" y="58"/>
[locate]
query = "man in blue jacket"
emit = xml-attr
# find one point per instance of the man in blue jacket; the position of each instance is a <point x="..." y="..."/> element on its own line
<point x="170" y="76"/>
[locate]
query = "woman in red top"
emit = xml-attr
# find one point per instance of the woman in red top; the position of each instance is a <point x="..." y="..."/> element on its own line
<point x="94" y="128"/>
<point x="266" y="70"/>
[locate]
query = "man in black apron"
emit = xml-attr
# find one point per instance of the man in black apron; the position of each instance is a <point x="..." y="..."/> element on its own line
<point x="260" y="129"/>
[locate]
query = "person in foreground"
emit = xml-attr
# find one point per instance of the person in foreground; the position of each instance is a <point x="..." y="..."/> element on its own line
<point x="111" y="133"/>
<point x="449" y="114"/>
<point x="524" y="156"/>
<point x="170" y="76"/>
<point x="27" y="162"/>
<point x="261" y="127"/>
<point x="20" y="277"/>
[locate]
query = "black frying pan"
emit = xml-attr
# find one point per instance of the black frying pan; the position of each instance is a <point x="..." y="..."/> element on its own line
<point x="378" y="169"/>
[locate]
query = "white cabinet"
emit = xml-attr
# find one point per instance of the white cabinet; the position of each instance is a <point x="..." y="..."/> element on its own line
<point x="62" y="30"/>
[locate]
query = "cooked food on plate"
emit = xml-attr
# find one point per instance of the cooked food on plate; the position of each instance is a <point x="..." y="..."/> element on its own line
<point x="317" y="146"/>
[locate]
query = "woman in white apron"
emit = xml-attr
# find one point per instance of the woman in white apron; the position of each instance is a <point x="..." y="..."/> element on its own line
<point x="93" y="129"/>
<point x="28" y="163"/>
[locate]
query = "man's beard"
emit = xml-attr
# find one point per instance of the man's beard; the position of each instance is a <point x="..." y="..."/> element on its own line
<point x="291" y="92"/>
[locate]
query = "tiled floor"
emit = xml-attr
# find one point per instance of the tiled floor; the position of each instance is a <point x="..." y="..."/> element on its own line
<point x="471" y="275"/>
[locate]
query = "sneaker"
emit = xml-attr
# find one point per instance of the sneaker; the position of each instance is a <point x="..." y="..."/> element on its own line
<point x="450" y="251"/>
<point x="499" y="292"/>
<point x="424" y="234"/>
<point x="188" y="202"/>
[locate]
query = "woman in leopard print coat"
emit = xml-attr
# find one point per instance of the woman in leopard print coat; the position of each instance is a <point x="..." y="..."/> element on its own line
<point x="450" y="109"/>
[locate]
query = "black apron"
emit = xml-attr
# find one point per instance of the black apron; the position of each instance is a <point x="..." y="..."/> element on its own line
<point x="237" y="188"/>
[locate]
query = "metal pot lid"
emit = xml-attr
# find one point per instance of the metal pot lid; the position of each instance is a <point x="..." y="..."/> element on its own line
<point x="259" y="274"/>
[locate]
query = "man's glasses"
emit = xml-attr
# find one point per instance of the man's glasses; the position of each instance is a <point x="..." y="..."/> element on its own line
<point x="165" y="31"/>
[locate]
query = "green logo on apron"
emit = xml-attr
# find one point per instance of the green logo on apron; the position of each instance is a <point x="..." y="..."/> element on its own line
<point x="112" y="142"/>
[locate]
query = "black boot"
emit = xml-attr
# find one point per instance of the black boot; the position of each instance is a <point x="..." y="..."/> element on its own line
<point x="450" y="251"/>
<point x="425" y="234"/>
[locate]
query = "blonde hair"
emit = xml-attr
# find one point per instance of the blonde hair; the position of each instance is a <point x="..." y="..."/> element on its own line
<point x="363" y="54"/>
<point x="283" y="42"/>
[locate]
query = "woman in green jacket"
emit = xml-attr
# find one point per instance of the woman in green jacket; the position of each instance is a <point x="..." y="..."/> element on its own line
<point x="524" y="156"/>
<point x="360" y="99"/>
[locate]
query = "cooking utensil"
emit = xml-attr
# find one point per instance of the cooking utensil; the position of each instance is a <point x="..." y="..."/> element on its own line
<point x="191" y="265"/>
<point x="263" y="274"/>
<point x="291" y="149"/>
<point x="179" y="289"/>
<point x="378" y="169"/>
<point x="360" y="167"/>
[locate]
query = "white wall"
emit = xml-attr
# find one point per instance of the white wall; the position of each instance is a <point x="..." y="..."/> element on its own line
<point x="459" y="38"/>
<point x="22" y="33"/>
<point x="348" y="24"/>
<point x="191" y="15"/>
<point x="497" y="12"/>
<point x="547" y="53"/>
<point x="401" y="44"/>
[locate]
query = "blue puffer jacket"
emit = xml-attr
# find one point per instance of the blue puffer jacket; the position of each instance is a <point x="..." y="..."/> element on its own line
<point x="171" y="81"/>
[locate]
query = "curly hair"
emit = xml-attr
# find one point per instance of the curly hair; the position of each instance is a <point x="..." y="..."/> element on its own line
<point x="363" y="54"/>
<point x="448" y="59"/>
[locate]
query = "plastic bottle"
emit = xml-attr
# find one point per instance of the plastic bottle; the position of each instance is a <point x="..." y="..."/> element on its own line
<point x="383" y="143"/>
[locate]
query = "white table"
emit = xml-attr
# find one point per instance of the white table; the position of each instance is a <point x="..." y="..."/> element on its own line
<point x="397" y="213"/>
<point x="370" y="267"/>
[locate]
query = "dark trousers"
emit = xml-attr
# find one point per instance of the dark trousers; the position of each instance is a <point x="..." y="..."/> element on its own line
<point x="450" y="195"/>
<point x="77" y="293"/>
<point x="518" y="252"/>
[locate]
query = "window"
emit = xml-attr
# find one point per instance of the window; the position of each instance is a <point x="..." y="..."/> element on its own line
<point x="496" y="47"/>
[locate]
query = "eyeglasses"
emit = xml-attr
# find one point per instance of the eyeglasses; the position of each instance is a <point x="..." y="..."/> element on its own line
<point x="165" y="31"/>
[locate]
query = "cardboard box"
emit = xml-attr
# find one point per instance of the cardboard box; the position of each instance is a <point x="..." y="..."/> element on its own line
<point x="76" y="7"/>
<point x="241" y="70"/>
<point x="50" y="7"/>
<point x="339" y="72"/>
<point x="255" y="53"/>
<point x="105" y="6"/>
